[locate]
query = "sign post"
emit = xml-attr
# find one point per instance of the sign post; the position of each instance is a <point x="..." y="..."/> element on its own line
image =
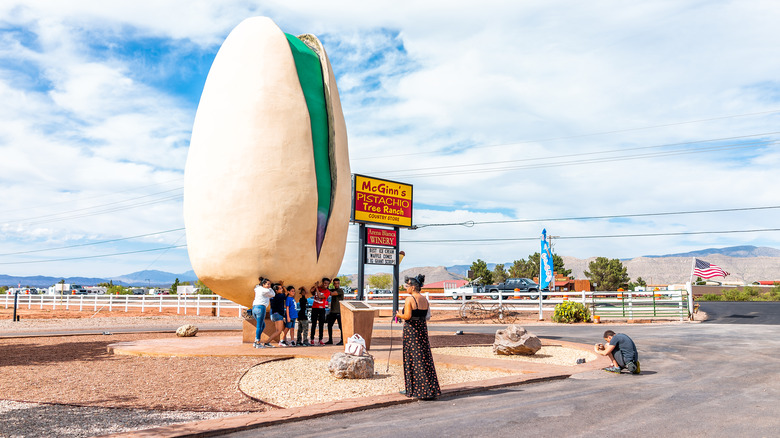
<point x="386" y="203"/>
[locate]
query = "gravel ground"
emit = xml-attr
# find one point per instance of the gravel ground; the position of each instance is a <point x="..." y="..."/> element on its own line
<point x="32" y="420"/>
<point x="271" y="381"/>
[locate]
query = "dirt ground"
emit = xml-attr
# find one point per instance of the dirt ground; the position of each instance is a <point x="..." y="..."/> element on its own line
<point x="38" y="313"/>
<point x="78" y="370"/>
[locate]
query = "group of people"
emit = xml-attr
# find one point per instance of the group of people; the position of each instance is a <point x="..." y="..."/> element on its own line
<point x="287" y="305"/>
<point x="420" y="377"/>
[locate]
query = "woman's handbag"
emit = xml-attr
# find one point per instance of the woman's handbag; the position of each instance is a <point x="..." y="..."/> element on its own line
<point x="356" y="345"/>
<point x="428" y="314"/>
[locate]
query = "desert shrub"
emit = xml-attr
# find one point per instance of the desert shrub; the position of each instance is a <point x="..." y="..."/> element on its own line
<point x="570" y="311"/>
<point x="710" y="297"/>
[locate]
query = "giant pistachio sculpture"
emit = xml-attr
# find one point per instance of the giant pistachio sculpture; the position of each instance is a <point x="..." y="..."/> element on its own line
<point x="267" y="180"/>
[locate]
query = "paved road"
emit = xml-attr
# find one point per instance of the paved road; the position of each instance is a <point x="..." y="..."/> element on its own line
<point x="749" y="312"/>
<point x="698" y="380"/>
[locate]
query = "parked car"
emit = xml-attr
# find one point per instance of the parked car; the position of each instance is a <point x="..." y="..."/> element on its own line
<point x="515" y="285"/>
<point x="466" y="291"/>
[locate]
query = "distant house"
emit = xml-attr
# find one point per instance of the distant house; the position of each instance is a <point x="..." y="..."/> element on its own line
<point x="185" y="289"/>
<point x="438" y="287"/>
<point x="566" y="284"/>
<point x="766" y="283"/>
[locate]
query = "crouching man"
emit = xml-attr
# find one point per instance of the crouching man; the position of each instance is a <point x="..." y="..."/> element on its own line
<point x="621" y="351"/>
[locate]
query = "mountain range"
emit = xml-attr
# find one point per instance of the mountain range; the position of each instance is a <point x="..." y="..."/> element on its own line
<point x="140" y="278"/>
<point x="745" y="263"/>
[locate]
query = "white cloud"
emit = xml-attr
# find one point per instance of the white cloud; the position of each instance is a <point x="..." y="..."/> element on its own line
<point x="422" y="83"/>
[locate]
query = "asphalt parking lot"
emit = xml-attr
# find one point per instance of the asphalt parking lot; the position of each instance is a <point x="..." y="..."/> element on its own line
<point x="705" y="379"/>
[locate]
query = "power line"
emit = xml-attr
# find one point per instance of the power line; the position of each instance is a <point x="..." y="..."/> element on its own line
<point x="93" y="243"/>
<point x="582" y="162"/>
<point x="108" y="210"/>
<point x="489" y="240"/>
<point x="60" y="213"/>
<point x="617" y="131"/>
<point x="503" y="162"/>
<point x="605" y="236"/>
<point x="620" y="216"/>
<point x="465" y="223"/>
<point x="94" y="256"/>
<point x="71" y="201"/>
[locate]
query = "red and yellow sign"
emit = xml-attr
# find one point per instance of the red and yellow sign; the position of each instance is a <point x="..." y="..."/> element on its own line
<point x="379" y="236"/>
<point x="381" y="201"/>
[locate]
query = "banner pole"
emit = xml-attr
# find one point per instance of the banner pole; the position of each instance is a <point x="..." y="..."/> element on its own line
<point x="396" y="271"/>
<point x="361" y="260"/>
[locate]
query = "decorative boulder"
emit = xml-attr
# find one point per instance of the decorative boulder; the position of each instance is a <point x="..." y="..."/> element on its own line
<point x="347" y="366"/>
<point x="516" y="340"/>
<point x="186" y="331"/>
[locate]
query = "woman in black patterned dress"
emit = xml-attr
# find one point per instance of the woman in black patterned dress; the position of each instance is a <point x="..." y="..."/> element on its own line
<point x="419" y="372"/>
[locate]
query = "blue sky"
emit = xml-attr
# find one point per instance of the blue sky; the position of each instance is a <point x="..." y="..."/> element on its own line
<point x="496" y="112"/>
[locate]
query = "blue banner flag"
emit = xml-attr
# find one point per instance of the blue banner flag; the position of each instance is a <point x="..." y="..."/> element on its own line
<point x="545" y="263"/>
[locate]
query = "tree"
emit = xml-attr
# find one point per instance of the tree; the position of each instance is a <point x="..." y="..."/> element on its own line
<point x="344" y="280"/>
<point x="203" y="289"/>
<point x="607" y="274"/>
<point x="499" y="274"/>
<point x="530" y="268"/>
<point x="479" y="270"/>
<point x="520" y="269"/>
<point x="638" y="283"/>
<point x="174" y="286"/>
<point x="380" y="281"/>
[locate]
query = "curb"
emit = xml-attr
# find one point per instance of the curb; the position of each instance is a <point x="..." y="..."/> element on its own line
<point x="221" y="426"/>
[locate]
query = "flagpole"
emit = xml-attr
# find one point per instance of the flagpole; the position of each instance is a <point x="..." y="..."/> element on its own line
<point x="690" y="290"/>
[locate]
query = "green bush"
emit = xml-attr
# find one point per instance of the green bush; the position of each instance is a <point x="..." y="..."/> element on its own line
<point x="710" y="297"/>
<point x="570" y="311"/>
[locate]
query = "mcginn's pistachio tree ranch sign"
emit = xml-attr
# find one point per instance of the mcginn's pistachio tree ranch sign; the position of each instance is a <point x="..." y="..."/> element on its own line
<point x="380" y="201"/>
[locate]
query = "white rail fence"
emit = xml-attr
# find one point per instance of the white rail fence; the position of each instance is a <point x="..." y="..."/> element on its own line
<point x="184" y="304"/>
<point x="614" y="304"/>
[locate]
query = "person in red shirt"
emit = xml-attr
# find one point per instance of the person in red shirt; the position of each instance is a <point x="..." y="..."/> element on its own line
<point x="318" y="307"/>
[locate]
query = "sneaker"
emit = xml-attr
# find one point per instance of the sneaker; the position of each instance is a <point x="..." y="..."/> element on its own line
<point x="637" y="370"/>
<point x="321" y="343"/>
<point x="268" y="345"/>
<point x="282" y="344"/>
<point x="340" y="343"/>
<point x="612" y="369"/>
<point x="330" y="342"/>
<point x="256" y="345"/>
<point x="292" y="344"/>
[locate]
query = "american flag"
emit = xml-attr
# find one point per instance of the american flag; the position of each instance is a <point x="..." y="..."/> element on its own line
<point x="708" y="270"/>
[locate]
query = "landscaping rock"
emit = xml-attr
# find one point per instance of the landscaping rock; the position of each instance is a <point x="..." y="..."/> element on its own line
<point x="516" y="340"/>
<point x="187" y="331"/>
<point x="347" y="366"/>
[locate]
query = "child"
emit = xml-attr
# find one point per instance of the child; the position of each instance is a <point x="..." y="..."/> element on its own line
<point x="277" y="313"/>
<point x="303" y="317"/>
<point x="291" y="314"/>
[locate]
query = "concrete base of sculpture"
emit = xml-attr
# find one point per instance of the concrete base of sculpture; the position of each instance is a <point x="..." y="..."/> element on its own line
<point x="358" y="317"/>
<point x="250" y="328"/>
